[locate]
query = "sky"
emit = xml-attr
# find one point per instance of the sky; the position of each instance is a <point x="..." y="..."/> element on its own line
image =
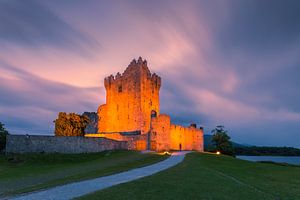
<point x="228" y="62"/>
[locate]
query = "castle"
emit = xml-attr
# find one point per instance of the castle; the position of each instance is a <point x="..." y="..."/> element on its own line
<point x="132" y="113"/>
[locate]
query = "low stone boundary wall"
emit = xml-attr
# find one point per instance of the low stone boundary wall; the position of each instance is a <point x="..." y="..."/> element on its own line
<point x="60" y="144"/>
<point x="134" y="142"/>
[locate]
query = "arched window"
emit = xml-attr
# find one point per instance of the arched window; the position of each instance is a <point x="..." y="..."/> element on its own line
<point x="153" y="113"/>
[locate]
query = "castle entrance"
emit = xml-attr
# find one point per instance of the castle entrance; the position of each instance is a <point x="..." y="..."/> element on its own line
<point x="141" y="145"/>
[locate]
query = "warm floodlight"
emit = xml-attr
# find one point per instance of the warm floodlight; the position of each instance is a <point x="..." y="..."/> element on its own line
<point x="165" y="153"/>
<point x="218" y="153"/>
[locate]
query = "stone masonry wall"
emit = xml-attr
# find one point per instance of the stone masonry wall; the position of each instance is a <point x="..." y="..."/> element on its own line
<point x="130" y="98"/>
<point x="167" y="136"/>
<point x="160" y="139"/>
<point x="137" y="142"/>
<point x="52" y="144"/>
<point x="190" y="138"/>
<point x="134" y="142"/>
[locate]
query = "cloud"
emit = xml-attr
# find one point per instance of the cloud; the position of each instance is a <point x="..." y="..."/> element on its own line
<point x="260" y="42"/>
<point x="260" y="26"/>
<point x="234" y="63"/>
<point x="29" y="98"/>
<point x="32" y="24"/>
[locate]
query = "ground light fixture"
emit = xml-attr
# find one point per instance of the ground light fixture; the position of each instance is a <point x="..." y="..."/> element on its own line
<point x="165" y="153"/>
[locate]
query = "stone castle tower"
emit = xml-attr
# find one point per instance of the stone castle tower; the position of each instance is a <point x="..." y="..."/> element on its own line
<point x="130" y="100"/>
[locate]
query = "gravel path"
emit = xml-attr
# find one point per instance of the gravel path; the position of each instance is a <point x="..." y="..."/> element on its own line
<point x="81" y="188"/>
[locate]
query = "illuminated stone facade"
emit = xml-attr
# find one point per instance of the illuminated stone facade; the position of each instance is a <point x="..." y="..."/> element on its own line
<point x="131" y="113"/>
<point x="167" y="136"/>
<point x="130" y="98"/>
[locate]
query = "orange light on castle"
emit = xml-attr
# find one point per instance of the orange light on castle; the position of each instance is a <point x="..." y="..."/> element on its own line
<point x="130" y="98"/>
<point x="132" y="113"/>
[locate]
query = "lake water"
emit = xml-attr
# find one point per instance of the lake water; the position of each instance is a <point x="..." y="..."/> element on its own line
<point x="280" y="159"/>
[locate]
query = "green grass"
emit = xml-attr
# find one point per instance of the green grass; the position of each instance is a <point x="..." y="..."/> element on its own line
<point x="28" y="172"/>
<point x="210" y="177"/>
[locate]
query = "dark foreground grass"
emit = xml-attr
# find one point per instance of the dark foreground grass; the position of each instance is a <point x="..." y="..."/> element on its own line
<point x="28" y="172"/>
<point x="207" y="176"/>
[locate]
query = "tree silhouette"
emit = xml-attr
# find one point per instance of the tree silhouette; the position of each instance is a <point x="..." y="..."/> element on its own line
<point x="222" y="140"/>
<point x="3" y="134"/>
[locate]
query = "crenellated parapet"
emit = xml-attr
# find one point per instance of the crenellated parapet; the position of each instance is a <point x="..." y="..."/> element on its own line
<point x="136" y="68"/>
<point x="156" y="80"/>
<point x="108" y="81"/>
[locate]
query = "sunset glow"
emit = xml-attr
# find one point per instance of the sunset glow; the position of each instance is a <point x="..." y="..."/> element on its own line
<point x="223" y="62"/>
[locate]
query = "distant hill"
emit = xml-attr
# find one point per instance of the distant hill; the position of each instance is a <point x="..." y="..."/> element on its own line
<point x="250" y="150"/>
<point x="267" y="151"/>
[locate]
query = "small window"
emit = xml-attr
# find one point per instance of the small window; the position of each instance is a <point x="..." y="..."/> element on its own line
<point x="153" y="113"/>
<point x="120" y="88"/>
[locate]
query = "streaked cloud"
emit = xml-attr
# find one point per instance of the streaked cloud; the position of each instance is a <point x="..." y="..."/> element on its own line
<point x="31" y="24"/>
<point x="32" y="103"/>
<point x="221" y="62"/>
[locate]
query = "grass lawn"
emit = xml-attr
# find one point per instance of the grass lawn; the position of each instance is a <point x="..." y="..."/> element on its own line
<point x="28" y="172"/>
<point x="208" y="176"/>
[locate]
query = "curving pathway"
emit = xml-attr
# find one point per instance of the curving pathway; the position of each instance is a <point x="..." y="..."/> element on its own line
<point x="81" y="188"/>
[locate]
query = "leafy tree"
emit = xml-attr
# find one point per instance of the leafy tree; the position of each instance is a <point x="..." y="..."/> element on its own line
<point x="3" y="134"/>
<point x="222" y="140"/>
<point x="70" y="124"/>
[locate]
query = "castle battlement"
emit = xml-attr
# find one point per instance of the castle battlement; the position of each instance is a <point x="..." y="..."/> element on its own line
<point x="135" y="70"/>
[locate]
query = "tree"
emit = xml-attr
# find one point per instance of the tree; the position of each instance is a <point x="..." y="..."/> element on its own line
<point x="70" y="124"/>
<point x="222" y="140"/>
<point x="3" y="134"/>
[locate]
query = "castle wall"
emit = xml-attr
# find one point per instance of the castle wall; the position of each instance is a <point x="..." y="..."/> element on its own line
<point x="198" y="140"/>
<point x="160" y="133"/>
<point x="177" y="137"/>
<point x="113" y="136"/>
<point x="137" y="142"/>
<point x="120" y="113"/>
<point x="190" y="138"/>
<point x="130" y="98"/>
<point x="134" y="142"/>
<point x="167" y="136"/>
<point x="150" y="85"/>
<point x="60" y="144"/>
